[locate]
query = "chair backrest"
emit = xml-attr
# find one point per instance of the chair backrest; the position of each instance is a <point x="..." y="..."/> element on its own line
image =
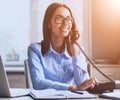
<point x="27" y="75"/>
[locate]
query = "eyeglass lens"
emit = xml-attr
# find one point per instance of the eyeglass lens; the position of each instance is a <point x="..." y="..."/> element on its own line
<point x="60" y="20"/>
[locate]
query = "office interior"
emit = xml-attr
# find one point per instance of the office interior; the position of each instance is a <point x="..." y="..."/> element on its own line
<point x="97" y="20"/>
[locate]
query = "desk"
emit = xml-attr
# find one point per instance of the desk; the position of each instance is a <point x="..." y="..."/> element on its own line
<point x="29" y="98"/>
<point x="18" y="98"/>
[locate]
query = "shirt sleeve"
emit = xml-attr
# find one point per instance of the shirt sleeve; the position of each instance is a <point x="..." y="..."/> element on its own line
<point x="37" y="74"/>
<point x="80" y="68"/>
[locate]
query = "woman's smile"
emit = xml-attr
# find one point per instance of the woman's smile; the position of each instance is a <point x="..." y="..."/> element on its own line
<point x="64" y="29"/>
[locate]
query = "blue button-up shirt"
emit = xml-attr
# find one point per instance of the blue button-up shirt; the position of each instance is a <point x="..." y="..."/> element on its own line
<point x="54" y="70"/>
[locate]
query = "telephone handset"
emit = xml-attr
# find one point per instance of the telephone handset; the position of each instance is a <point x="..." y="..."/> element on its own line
<point x="74" y="34"/>
<point x="72" y="39"/>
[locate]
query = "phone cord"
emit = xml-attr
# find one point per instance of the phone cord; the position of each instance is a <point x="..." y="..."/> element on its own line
<point x="93" y="63"/>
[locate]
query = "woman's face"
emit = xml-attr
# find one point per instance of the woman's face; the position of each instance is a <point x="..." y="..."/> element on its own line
<point x="61" y="23"/>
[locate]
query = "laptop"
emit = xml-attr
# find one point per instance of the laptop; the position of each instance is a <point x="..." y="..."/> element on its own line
<point x="5" y="90"/>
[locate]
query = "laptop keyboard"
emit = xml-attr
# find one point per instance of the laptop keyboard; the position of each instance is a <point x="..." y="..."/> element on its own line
<point x="19" y="92"/>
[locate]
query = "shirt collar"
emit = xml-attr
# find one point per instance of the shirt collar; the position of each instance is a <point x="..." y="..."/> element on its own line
<point x="64" y="53"/>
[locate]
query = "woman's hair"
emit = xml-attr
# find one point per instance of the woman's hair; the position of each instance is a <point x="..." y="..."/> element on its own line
<point x="46" y="30"/>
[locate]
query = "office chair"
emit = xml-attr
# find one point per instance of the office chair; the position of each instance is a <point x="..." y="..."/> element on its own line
<point x="27" y="75"/>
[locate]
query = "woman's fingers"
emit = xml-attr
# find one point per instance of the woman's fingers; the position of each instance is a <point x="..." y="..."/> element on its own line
<point x="94" y="82"/>
<point x="90" y="83"/>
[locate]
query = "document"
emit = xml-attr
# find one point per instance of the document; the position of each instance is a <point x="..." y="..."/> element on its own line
<point x="112" y="95"/>
<point x="54" y="94"/>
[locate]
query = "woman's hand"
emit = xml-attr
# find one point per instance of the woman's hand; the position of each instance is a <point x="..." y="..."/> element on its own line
<point x="89" y="83"/>
<point x="74" y="38"/>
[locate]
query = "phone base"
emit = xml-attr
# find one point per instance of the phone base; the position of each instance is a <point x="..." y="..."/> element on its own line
<point x="104" y="87"/>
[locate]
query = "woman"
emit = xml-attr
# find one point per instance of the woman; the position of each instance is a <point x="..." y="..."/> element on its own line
<point x="57" y="61"/>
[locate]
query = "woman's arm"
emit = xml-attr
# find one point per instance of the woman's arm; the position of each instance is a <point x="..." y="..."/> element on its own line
<point x="36" y="71"/>
<point x="80" y="68"/>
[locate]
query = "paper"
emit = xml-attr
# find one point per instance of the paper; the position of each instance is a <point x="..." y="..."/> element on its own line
<point x="113" y="95"/>
<point x="54" y="94"/>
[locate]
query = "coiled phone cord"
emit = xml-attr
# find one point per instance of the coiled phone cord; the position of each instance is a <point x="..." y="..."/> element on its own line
<point x="93" y="63"/>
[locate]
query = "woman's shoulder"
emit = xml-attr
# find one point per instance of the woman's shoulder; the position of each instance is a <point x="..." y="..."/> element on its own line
<point x="35" y="46"/>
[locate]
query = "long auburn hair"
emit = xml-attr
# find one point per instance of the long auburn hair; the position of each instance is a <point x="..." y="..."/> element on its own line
<point x="46" y="30"/>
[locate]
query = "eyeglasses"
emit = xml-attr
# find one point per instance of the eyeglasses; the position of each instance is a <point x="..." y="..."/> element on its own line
<point x="60" y="20"/>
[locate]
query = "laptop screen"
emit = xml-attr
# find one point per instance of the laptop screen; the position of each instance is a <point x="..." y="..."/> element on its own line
<point x="4" y="85"/>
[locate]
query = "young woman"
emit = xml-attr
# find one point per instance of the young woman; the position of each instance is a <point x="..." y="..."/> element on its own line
<point x="57" y="61"/>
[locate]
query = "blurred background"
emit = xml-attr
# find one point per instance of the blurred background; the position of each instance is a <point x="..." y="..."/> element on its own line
<point x="97" y="20"/>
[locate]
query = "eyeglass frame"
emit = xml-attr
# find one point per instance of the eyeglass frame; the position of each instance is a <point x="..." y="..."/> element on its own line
<point x="63" y="19"/>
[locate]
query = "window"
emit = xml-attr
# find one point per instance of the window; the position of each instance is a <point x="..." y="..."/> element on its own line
<point x="14" y="28"/>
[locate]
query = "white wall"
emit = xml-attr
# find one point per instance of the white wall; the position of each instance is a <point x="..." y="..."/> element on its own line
<point x="14" y="27"/>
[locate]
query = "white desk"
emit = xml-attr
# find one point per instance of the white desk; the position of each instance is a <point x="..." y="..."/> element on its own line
<point x="29" y="98"/>
<point x="17" y="98"/>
